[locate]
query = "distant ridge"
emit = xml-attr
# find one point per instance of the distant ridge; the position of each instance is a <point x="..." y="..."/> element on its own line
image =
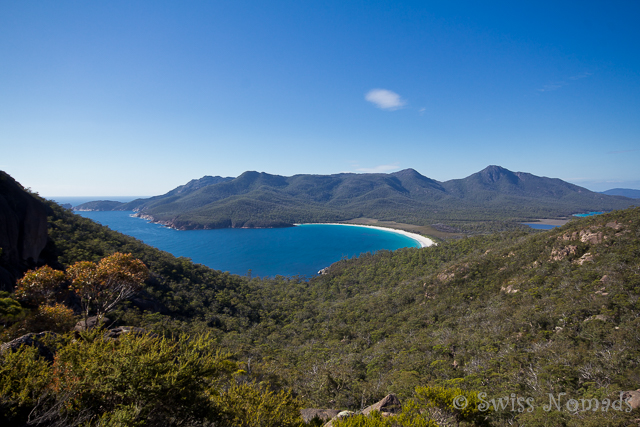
<point x="179" y="191"/>
<point x="258" y="199"/>
<point x="626" y="192"/>
<point x="98" y="205"/>
<point x="196" y="184"/>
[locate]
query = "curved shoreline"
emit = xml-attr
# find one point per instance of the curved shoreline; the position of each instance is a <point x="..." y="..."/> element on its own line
<point x="423" y="241"/>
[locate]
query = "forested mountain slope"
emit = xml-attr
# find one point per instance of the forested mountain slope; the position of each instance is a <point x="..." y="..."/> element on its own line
<point x="262" y="200"/>
<point x="533" y="314"/>
<point x="530" y="314"/>
<point x="526" y="313"/>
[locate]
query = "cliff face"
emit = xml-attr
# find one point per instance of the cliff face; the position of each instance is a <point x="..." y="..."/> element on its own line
<point x="23" y="231"/>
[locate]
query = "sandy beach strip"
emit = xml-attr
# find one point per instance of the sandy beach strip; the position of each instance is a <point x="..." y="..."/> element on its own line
<point x="423" y="241"/>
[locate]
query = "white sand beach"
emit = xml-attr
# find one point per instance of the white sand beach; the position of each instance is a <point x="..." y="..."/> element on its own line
<point x="423" y="241"/>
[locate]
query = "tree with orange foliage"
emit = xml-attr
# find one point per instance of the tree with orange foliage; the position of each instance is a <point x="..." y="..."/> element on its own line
<point x="102" y="286"/>
<point x="40" y="286"/>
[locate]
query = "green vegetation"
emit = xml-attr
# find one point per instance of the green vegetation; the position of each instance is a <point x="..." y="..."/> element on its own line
<point x="176" y="287"/>
<point x="489" y="317"/>
<point x="262" y="200"/>
<point x="10" y="309"/>
<point x="135" y="381"/>
<point x="102" y="286"/>
<point x="40" y="286"/>
<point x="429" y="407"/>
<point x="99" y="205"/>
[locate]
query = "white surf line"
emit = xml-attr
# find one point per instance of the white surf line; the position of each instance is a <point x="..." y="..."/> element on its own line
<point x="423" y="241"/>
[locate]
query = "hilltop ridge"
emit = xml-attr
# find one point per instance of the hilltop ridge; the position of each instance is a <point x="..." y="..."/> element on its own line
<point x="259" y="199"/>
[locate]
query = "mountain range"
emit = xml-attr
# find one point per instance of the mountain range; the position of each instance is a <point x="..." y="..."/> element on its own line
<point x="258" y="199"/>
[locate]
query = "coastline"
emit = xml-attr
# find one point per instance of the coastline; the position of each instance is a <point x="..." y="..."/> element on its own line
<point x="422" y="240"/>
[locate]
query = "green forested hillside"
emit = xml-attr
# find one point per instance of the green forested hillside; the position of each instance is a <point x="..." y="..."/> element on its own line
<point x="98" y="205"/>
<point x="526" y="313"/>
<point x="177" y="287"/>
<point x="263" y="200"/>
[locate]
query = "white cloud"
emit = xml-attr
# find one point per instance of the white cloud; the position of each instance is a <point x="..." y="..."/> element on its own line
<point x="549" y="88"/>
<point x="385" y="99"/>
<point x="581" y="76"/>
<point x="558" y="85"/>
<point x="379" y="168"/>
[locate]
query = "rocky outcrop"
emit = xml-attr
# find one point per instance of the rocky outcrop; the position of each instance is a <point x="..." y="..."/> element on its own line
<point x="23" y="231"/>
<point x="31" y="339"/>
<point x="340" y="415"/>
<point x="590" y="235"/>
<point x="446" y="276"/>
<point x="509" y="289"/>
<point x="116" y="333"/>
<point x="588" y="257"/>
<point x="321" y="414"/>
<point x="324" y="271"/>
<point x="113" y="333"/>
<point x="90" y="323"/>
<point x="558" y="254"/>
<point x="633" y="398"/>
<point x="389" y="405"/>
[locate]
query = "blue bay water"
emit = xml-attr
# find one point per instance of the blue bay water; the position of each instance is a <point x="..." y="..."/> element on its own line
<point x="301" y="250"/>
<point x="584" y="215"/>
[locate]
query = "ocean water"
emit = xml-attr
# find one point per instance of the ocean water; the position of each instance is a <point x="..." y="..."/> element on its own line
<point x="291" y="251"/>
<point x="584" y="215"/>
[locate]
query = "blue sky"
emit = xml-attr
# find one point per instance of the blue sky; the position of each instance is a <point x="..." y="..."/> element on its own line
<point x="135" y="98"/>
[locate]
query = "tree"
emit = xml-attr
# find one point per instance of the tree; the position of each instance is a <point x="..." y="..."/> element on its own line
<point x="40" y="286"/>
<point x="56" y="318"/>
<point x="102" y="286"/>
